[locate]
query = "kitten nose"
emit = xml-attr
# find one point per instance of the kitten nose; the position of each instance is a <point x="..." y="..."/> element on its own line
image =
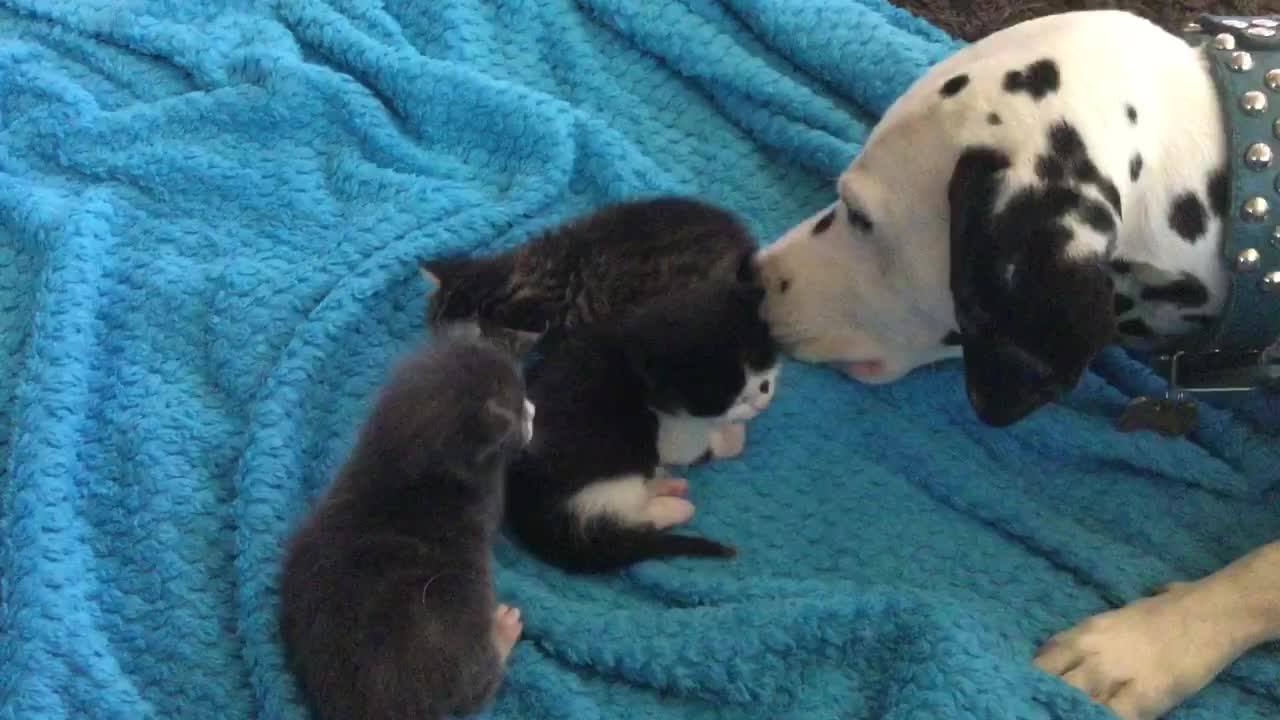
<point x="764" y="386"/>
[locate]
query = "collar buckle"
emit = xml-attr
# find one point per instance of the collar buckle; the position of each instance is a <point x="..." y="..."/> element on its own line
<point x="1217" y="371"/>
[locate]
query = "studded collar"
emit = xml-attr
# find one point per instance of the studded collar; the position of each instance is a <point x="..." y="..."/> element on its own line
<point x="1244" y="57"/>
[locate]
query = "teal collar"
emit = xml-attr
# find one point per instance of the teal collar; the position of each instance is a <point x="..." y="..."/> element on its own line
<point x="1244" y="58"/>
<point x="1237" y="353"/>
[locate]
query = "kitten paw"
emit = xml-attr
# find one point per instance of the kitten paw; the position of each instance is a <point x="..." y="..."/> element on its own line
<point x="506" y="630"/>
<point x="669" y="487"/>
<point x="666" y="511"/>
<point x="728" y="440"/>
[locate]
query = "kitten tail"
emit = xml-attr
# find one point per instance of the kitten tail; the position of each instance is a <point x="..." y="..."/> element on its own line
<point x="606" y="545"/>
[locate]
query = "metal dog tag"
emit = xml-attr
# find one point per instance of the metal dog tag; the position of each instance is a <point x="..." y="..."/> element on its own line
<point x="1213" y="372"/>
<point x="1172" y="416"/>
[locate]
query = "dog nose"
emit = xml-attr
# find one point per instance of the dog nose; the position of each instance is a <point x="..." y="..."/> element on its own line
<point x="764" y="386"/>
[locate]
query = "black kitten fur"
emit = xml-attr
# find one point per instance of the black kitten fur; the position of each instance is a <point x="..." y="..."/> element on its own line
<point x="602" y="397"/>
<point x="388" y="607"/>
<point x="592" y="268"/>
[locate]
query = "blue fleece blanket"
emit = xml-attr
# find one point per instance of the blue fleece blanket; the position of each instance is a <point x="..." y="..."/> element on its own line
<point x="209" y="215"/>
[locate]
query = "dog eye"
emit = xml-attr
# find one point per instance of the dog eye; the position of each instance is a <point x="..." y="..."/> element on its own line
<point x="784" y="286"/>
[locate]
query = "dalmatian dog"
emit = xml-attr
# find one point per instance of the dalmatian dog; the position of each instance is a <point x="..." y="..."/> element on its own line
<point x="1056" y="187"/>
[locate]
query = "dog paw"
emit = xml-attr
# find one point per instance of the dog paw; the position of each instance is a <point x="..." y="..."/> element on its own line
<point x="728" y="440"/>
<point x="506" y="630"/>
<point x="1147" y="657"/>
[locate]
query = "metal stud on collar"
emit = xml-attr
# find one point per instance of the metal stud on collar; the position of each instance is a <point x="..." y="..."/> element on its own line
<point x="1258" y="156"/>
<point x="1271" y="282"/>
<point x="1253" y="102"/>
<point x="1224" y="41"/>
<point x="1248" y="260"/>
<point x="1261" y="32"/>
<point x="1237" y="24"/>
<point x="1272" y="79"/>
<point x="1266" y="22"/>
<point x="1275" y="236"/>
<point x="1255" y="209"/>
<point x="1240" y="61"/>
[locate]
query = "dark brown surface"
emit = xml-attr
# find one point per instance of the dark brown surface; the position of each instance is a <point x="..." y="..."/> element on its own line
<point x="972" y="19"/>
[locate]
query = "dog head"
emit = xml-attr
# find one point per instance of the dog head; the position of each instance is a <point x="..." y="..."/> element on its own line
<point x="862" y="284"/>
<point x="957" y="232"/>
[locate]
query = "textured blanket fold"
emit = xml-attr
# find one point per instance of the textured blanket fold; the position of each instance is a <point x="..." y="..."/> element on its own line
<point x="210" y="212"/>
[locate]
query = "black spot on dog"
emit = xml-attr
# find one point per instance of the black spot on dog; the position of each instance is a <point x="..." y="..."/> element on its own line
<point x="1051" y="169"/>
<point x="1037" y="79"/>
<point x="1198" y="318"/>
<point x="784" y="286"/>
<point x="1065" y="140"/>
<point x="1121" y="267"/>
<point x="1188" y="217"/>
<point x="954" y="85"/>
<point x="859" y="220"/>
<point x="1098" y="217"/>
<point x="1019" y="351"/>
<point x="1068" y="147"/>
<point x="824" y="222"/>
<point x="1134" y="327"/>
<point x="1123" y="304"/>
<point x="993" y="119"/>
<point x="1111" y="194"/>
<point x="1135" y="167"/>
<point x="1219" y="193"/>
<point x="952" y="339"/>
<point x="1132" y="113"/>
<point x="1186" y="291"/>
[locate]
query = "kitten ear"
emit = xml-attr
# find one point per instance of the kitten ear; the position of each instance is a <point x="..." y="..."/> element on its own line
<point x="516" y="342"/>
<point x="428" y="274"/>
<point x="460" y="331"/>
<point x="750" y="286"/>
<point x="748" y="269"/>
<point x="446" y="269"/>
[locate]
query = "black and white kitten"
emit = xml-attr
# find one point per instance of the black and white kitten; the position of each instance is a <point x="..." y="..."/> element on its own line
<point x="590" y="269"/>
<point x="388" y="607"/>
<point x="671" y="384"/>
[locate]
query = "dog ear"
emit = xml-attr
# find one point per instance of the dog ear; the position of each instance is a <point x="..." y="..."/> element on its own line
<point x="1031" y="318"/>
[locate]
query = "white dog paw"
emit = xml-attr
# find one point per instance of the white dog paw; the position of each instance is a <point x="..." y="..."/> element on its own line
<point x="1147" y="657"/>
<point x="728" y="440"/>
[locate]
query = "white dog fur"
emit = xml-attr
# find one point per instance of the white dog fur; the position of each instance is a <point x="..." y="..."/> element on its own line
<point x="869" y="284"/>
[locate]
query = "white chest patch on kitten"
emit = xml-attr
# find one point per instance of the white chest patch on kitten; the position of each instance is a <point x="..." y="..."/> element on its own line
<point x="757" y="394"/>
<point x="685" y="440"/>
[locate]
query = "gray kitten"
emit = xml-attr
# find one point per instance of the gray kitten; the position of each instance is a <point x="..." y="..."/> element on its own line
<point x="388" y="608"/>
<point x="593" y="268"/>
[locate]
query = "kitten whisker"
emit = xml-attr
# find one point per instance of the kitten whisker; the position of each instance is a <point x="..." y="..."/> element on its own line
<point x="427" y="584"/>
